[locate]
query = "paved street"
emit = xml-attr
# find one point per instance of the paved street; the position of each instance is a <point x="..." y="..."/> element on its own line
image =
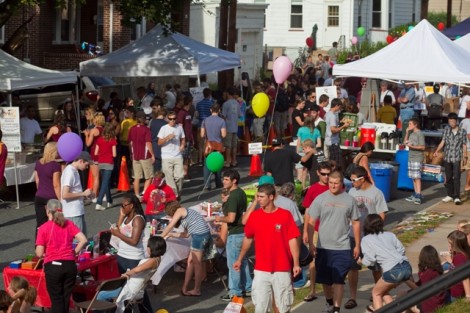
<point x="17" y="229"/>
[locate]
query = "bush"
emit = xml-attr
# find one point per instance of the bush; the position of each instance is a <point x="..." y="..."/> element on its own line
<point x="362" y="49"/>
<point x="435" y="17"/>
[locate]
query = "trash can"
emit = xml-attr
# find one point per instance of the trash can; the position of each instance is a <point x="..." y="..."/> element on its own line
<point x="382" y="175"/>
<point x="403" y="182"/>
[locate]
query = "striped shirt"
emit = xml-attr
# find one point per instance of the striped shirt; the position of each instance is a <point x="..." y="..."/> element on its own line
<point x="453" y="144"/>
<point x="194" y="223"/>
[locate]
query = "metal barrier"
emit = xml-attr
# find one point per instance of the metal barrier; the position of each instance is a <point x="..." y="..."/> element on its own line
<point x="422" y="293"/>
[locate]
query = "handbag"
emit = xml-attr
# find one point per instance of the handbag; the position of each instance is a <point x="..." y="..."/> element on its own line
<point x="212" y="146"/>
<point x="305" y="257"/>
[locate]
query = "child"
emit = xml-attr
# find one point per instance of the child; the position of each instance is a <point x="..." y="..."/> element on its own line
<point x="157" y="194"/>
<point x="430" y="268"/>
<point x="5" y="301"/>
<point x="414" y="139"/>
<point x="385" y="249"/>
<point x="461" y="224"/>
<point x="22" y="293"/>
<point x="459" y="255"/>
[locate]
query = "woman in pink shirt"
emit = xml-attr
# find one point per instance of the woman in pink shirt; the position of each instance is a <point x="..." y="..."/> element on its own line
<point x="105" y="150"/>
<point x="54" y="243"/>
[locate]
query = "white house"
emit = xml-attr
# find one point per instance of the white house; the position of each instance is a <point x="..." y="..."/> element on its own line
<point x="290" y="22"/>
<point x="204" y="27"/>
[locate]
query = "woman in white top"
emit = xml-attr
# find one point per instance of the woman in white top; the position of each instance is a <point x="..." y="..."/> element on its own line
<point x="130" y="231"/>
<point x="384" y="91"/>
<point x="464" y="103"/>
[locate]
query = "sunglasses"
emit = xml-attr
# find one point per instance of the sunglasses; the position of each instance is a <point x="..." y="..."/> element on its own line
<point x="324" y="174"/>
<point x="125" y="205"/>
<point x="172" y="119"/>
<point x="357" y="179"/>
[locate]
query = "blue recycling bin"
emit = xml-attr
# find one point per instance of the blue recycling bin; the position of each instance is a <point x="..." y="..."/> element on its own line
<point x="382" y="175"/>
<point x="403" y="181"/>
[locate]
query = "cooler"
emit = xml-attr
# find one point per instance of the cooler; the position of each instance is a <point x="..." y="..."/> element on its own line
<point x="403" y="181"/>
<point x="367" y="134"/>
<point x="382" y="175"/>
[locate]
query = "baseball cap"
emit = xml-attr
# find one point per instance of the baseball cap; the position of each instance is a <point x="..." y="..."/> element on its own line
<point x="85" y="156"/>
<point x="266" y="179"/>
<point x="277" y="142"/>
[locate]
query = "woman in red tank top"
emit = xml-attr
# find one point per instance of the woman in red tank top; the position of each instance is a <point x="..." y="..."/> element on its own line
<point x="58" y="128"/>
<point x="91" y="135"/>
<point x="3" y="160"/>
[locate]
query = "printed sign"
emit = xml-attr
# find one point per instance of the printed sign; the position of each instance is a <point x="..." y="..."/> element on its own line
<point x="10" y="125"/>
<point x="255" y="148"/>
<point x="330" y="91"/>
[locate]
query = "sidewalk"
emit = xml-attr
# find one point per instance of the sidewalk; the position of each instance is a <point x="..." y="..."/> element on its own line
<point x="437" y="238"/>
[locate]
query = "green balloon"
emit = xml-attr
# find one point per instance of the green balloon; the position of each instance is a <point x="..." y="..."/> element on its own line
<point x="361" y="31"/>
<point x="215" y="161"/>
<point x="457" y="37"/>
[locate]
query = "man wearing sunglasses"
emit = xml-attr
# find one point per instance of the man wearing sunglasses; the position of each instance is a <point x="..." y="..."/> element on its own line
<point x="370" y="200"/>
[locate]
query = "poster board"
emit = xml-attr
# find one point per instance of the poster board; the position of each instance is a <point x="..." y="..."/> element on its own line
<point x="196" y="92"/>
<point x="10" y="125"/>
<point x="330" y="91"/>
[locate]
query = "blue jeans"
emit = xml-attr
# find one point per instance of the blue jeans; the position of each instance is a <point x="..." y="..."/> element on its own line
<point x="105" y="180"/>
<point x="238" y="281"/>
<point x="399" y="273"/>
<point x="217" y="175"/>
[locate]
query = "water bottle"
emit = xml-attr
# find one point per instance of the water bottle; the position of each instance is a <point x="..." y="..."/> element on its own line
<point x="154" y="227"/>
<point x="147" y="230"/>
<point x="96" y="246"/>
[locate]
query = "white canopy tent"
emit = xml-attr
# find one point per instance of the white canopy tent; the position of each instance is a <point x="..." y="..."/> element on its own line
<point x="157" y="54"/>
<point x="464" y="42"/>
<point x="423" y="54"/>
<point x="16" y="75"/>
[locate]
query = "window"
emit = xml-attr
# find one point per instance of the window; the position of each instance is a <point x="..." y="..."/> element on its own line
<point x="377" y="13"/>
<point x="67" y="23"/>
<point x="99" y="23"/>
<point x="333" y="15"/>
<point x="2" y="34"/>
<point x="296" y="14"/>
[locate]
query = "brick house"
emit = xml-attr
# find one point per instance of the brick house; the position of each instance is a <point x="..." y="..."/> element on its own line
<point x="55" y="36"/>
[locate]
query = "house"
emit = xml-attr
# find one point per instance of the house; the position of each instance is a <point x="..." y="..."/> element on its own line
<point x="460" y="8"/>
<point x="205" y="19"/>
<point x="55" y="35"/>
<point x="290" y="22"/>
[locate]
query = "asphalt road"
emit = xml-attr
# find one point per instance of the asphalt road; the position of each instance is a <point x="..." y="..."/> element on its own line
<point x="17" y="231"/>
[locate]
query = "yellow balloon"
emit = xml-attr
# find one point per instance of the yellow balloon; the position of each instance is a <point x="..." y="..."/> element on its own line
<point x="260" y="104"/>
<point x="161" y="311"/>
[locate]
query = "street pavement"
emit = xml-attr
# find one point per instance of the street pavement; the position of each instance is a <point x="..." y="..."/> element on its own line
<point x="17" y="232"/>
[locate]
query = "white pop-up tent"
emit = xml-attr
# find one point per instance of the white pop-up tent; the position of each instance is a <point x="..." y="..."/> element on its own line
<point x="157" y="54"/>
<point x="16" y="75"/>
<point x="423" y="54"/>
<point x="464" y="42"/>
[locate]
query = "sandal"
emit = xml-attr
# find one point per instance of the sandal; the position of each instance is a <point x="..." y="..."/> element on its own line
<point x="370" y="308"/>
<point x="310" y="298"/>
<point x="350" y="304"/>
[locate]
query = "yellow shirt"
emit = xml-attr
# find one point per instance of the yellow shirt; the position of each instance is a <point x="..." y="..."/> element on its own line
<point x="126" y="124"/>
<point x="387" y="114"/>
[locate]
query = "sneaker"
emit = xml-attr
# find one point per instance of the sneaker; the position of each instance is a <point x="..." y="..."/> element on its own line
<point x="457" y="201"/>
<point x="93" y="200"/>
<point x="447" y="199"/>
<point x="109" y="205"/>
<point x="226" y="298"/>
<point x="327" y="309"/>
<point x="411" y="198"/>
<point x="246" y="294"/>
<point x="186" y="178"/>
<point x="306" y="285"/>
<point x="99" y="207"/>
<point x="417" y="201"/>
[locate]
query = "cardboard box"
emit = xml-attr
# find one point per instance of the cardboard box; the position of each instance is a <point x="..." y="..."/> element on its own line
<point x="451" y="105"/>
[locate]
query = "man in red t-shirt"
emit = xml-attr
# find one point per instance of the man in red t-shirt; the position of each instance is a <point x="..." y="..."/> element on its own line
<point x="323" y="170"/>
<point x="140" y="144"/>
<point x="276" y="250"/>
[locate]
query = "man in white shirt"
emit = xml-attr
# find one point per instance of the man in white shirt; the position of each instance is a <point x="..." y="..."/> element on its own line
<point x="72" y="192"/>
<point x="29" y="127"/>
<point x="172" y="141"/>
<point x="145" y="100"/>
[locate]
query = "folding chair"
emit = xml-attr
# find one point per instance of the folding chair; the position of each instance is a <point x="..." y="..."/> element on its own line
<point x="101" y="305"/>
<point x="134" y="301"/>
<point x="219" y="266"/>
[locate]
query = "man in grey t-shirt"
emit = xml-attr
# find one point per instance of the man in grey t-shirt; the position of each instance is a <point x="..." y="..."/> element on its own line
<point x="332" y="150"/>
<point x="336" y="210"/>
<point x="414" y="139"/>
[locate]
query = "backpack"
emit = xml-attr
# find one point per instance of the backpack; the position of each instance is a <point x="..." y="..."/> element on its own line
<point x="282" y="101"/>
<point x="351" y="167"/>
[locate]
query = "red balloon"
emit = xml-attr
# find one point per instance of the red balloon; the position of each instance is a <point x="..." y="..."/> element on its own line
<point x="309" y="41"/>
<point x="389" y="39"/>
<point x="441" y="26"/>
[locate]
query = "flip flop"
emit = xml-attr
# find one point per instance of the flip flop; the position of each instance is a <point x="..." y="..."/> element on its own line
<point x="310" y="298"/>
<point x="187" y="294"/>
<point x="369" y="308"/>
<point x="350" y="304"/>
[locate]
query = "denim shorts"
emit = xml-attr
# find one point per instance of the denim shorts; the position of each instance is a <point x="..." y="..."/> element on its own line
<point x="399" y="273"/>
<point x="201" y="242"/>
<point x="332" y="266"/>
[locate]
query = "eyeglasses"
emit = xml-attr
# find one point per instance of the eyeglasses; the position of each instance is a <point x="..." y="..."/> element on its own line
<point x="125" y="205"/>
<point x="172" y="118"/>
<point x="357" y="179"/>
<point x="324" y="174"/>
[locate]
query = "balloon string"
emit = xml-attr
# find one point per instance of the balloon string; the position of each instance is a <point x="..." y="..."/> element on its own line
<point x="206" y="184"/>
<point x="271" y="125"/>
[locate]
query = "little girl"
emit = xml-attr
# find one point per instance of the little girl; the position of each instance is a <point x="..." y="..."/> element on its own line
<point x="430" y="268"/>
<point x="385" y="249"/>
<point x="22" y="293"/>
<point x="459" y="255"/>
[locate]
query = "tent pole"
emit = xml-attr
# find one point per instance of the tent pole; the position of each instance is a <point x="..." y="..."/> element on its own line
<point x="10" y="102"/>
<point x="77" y="108"/>
<point x="198" y="80"/>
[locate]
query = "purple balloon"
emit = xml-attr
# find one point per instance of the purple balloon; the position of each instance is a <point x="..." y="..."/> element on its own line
<point x="282" y="68"/>
<point x="69" y="146"/>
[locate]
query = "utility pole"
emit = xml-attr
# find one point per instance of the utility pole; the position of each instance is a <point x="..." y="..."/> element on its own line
<point x="232" y="37"/>
<point x="449" y="14"/>
<point x="223" y="31"/>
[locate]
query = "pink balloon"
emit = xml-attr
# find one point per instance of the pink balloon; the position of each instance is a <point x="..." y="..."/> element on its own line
<point x="354" y="40"/>
<point x="282" y="68"/>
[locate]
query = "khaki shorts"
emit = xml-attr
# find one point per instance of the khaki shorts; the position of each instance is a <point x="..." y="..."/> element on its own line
<point x="231" y="140"/>
<point x="265" y="284"/>
<point x="142" y="168"/>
